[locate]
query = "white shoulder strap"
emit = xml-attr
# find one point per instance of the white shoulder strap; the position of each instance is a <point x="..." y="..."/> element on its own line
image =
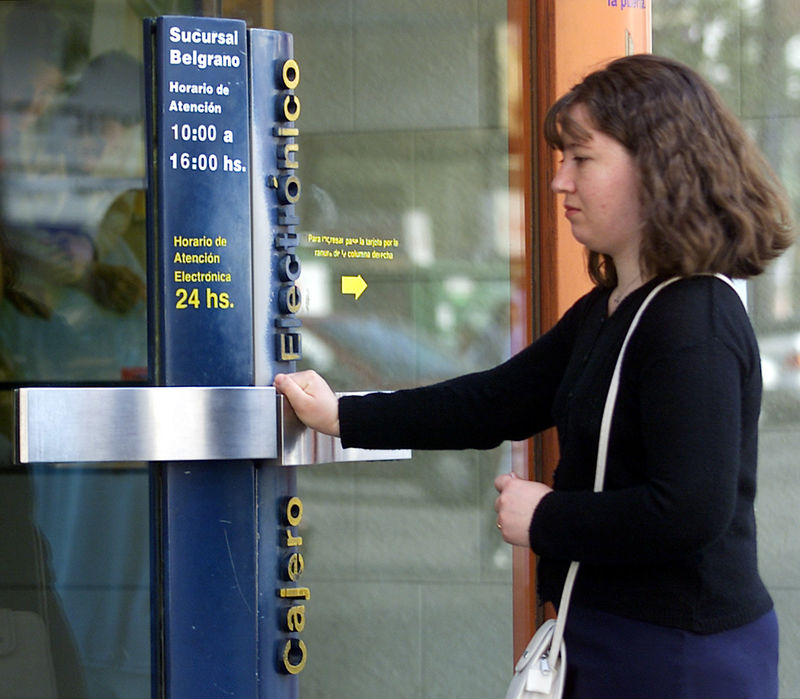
<point x="613" y="389"/>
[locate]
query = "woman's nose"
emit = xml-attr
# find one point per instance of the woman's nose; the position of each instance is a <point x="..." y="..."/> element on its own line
<point x="562" y="182"/>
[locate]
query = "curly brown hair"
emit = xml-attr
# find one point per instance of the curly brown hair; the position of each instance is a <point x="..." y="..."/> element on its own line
<point x="710" y="201"/>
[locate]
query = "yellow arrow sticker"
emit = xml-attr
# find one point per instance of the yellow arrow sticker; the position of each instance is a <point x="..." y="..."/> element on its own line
<point x="354" y="285"/>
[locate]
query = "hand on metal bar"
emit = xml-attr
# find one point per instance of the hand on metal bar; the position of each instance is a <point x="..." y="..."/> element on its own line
<point x="312" y="399"/>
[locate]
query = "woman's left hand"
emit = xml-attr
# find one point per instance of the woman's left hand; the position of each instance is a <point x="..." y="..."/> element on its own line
<point x="515" y="506"/>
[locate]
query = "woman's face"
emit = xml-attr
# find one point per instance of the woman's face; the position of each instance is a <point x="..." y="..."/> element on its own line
<point x="600" y="184"/>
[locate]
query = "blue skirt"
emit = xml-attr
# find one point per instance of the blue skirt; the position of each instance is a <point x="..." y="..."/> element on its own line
<point x="610" y="657"/>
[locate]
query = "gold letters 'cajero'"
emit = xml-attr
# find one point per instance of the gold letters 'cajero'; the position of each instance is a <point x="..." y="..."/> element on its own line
<point x="292" y="652"/>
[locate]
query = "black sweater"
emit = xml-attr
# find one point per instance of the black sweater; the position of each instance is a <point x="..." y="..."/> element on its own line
<point x="671" y="540"/>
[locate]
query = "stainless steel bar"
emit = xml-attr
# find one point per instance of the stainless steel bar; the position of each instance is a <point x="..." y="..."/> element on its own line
<point x="140" y="424"/>
<point x="301" y="446"/>
<point x="145" y="424"/>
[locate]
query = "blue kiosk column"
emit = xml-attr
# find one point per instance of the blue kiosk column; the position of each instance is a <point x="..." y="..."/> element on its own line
<point x="228" y="608"/>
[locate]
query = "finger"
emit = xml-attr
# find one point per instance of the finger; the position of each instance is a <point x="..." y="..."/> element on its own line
<point x="280" y="381"/>
<point x="309" y="381"/>
<point x="303" y="379"/>
<point x="287" y="385"/>
<point x="501" y="482"/>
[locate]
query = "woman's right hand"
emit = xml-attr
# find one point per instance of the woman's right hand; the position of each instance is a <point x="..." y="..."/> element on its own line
<point x="315" y="404"/>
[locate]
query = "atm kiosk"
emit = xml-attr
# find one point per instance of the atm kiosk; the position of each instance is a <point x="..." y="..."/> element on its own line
<point x="228" y="602"/>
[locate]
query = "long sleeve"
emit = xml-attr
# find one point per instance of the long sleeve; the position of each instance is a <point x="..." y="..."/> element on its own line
<point x="511" y="401"/>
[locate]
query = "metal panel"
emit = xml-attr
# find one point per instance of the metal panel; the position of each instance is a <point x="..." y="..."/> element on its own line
<point x="145" y="424"/>
<point x="299" y="446"/>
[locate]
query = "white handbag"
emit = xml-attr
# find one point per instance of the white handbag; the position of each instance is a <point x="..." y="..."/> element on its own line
<point x="541" y="669"/>
<point x="535" y="674"/>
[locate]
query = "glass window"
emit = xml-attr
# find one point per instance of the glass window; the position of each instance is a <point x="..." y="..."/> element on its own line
<point x="410" y="254"/>
<point x="412" y="260"/>
<point x="74" y="542"/>
<point x="751" y="52"/>
<point x="72" y="195"/>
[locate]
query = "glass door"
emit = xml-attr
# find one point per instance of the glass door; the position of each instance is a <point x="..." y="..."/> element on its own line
<point x="414" y="258"/>
<point x="415" y="268"/>
<point x="74" y="541"/>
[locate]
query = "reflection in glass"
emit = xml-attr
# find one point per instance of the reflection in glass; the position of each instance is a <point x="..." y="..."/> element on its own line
<point x="404" y="160"/>
<point x="73" y="226"/>
<point x="74" y="551"/>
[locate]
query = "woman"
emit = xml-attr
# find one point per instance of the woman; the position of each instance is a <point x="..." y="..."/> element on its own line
<point x="658" y="180"/>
